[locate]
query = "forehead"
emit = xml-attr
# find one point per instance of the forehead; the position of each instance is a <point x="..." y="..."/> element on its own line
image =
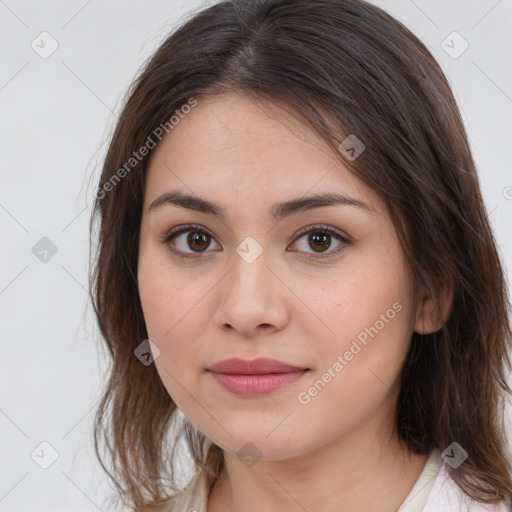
<point x="230" y="145"/>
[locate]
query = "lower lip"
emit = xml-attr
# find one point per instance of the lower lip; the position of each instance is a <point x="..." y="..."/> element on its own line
<point x="253" y="385"/>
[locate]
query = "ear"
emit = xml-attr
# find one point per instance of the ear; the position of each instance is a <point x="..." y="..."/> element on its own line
<point x="429" y="318"/>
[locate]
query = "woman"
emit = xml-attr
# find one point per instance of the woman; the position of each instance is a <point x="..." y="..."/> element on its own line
<point x="294" y="254"/>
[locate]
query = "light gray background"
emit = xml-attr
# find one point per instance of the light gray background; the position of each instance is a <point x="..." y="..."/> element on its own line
<point x="56" y="115"/>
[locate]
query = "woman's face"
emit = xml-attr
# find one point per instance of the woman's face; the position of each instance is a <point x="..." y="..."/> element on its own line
<point x="250" y="284"/>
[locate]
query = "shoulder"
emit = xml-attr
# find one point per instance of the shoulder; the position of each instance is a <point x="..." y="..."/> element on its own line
<point x="447" y="496"/>
<point x="192" y="498"/>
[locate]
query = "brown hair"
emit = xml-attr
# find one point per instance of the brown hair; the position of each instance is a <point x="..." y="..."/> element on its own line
<point x="343" y="67"/>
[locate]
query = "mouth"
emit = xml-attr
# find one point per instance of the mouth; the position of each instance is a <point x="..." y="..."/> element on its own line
<point x="255" y="377"/>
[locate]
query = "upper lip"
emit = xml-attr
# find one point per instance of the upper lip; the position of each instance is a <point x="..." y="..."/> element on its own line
<point x="261" y="365"/>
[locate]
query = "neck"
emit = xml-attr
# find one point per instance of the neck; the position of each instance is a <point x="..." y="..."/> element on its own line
<point x="349" y="475"/>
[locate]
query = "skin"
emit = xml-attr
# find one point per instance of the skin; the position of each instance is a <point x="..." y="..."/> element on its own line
<point x="339" y="452"/>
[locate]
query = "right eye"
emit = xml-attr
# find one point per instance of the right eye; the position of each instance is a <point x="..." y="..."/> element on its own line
<point x="196" y="239"/>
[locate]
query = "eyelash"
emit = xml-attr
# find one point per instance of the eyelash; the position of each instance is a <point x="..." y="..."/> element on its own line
<point x="195" y="228"/>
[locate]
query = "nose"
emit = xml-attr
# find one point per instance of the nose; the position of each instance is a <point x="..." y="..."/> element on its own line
<point x="252" y="298"/>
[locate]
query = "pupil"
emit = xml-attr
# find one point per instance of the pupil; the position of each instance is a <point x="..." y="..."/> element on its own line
<point x="199" y="238"/>
<point x="319" y="239"/>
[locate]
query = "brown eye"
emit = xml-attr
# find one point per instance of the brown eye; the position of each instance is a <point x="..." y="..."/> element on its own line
<point x="191" y="241"/>
<point x="319" y="240"/>
<point x="198" y="241"/>
<point x="187" y="241"/>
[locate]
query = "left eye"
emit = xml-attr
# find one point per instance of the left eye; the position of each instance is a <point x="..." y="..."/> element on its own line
<point x="319" y="238"/>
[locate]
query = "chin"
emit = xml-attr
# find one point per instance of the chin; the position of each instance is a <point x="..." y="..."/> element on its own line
<point x="252" y="448"/>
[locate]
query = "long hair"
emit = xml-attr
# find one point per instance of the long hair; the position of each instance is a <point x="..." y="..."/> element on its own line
<point x="342" y="67"/>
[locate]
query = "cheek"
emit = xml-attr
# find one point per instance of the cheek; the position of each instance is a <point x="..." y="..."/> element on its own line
<point x="169" y="296"/>
<point x="360" y="364"/>
<point x="173" y="308"/>
<point x="168" y="313"/>
<point x="370" y="317"/>
<point x="172" y="318"/>
<point x="348" y="305"/>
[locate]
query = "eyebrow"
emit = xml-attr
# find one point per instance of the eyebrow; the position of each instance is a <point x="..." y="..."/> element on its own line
<point x="278" y="211"/>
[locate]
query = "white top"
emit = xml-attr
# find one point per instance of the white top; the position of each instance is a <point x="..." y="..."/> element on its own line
<point x="434" y="491"/>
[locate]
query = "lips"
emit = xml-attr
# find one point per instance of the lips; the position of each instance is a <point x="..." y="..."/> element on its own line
<point x="260" y="366"/>
<point x="257" y="377"/>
